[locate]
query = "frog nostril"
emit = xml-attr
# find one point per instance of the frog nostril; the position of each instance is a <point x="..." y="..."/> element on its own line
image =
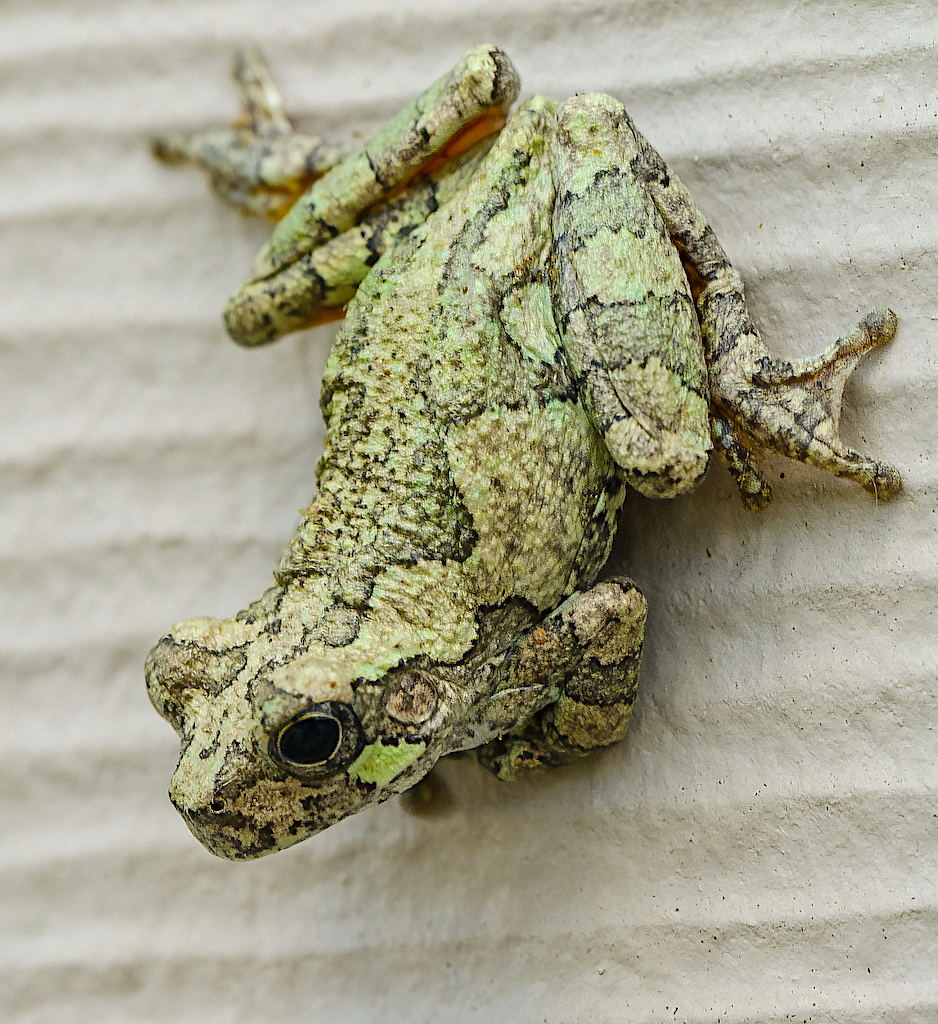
<point x="218" y="805"/>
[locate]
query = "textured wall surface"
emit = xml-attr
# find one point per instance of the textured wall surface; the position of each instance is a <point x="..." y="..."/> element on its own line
<point x="762" y="847"/>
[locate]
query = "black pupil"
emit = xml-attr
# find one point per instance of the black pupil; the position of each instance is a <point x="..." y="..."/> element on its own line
<point x="310" y="740"/>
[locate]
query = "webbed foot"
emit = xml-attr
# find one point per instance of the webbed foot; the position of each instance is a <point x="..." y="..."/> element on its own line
<point x="792" y="408"/>
<point x="261" y="165"/>
<point x="759" y="404"/>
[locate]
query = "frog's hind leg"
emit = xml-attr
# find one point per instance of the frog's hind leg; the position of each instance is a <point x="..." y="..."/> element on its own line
<point x="261" y="165"/>
<point x="318" y="284"/>
<point x="377" y="193"/>
<point x="760" y="404"/>
<point x="791" y="408"/>
<point x="623" y="304"/>
<point x="460" y="107"/>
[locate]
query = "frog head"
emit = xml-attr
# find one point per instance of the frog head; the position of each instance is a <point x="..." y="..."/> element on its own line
<point x="274" y="751"/>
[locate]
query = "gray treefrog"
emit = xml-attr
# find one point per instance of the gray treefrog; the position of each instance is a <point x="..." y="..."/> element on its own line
<point x="537" y="316"/>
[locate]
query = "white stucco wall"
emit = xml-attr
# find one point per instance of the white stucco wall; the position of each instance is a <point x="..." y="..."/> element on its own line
<point x="762" y="847"/>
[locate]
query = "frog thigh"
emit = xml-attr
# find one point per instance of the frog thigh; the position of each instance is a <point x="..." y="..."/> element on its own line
<point x="589" y="650"/>
<point x="623" y="304"/>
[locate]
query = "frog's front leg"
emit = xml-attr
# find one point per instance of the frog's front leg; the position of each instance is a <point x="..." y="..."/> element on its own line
<point x="588" y="651"/>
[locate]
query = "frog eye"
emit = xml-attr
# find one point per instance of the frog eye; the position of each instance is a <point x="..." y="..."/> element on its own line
<point x="320" y="740"/>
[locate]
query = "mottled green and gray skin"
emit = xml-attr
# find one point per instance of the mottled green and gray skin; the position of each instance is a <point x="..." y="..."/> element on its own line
<point x="521" y="342"/>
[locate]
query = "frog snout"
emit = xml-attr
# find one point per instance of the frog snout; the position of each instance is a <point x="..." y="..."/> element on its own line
<point x="219" y="829"/>
<point x="215" y="816"/>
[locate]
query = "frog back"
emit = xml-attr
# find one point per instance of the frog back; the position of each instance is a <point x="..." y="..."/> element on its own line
<point x="455" y="432"/>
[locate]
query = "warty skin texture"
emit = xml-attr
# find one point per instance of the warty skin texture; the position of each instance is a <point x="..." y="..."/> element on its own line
<point x="521" y="343"/>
